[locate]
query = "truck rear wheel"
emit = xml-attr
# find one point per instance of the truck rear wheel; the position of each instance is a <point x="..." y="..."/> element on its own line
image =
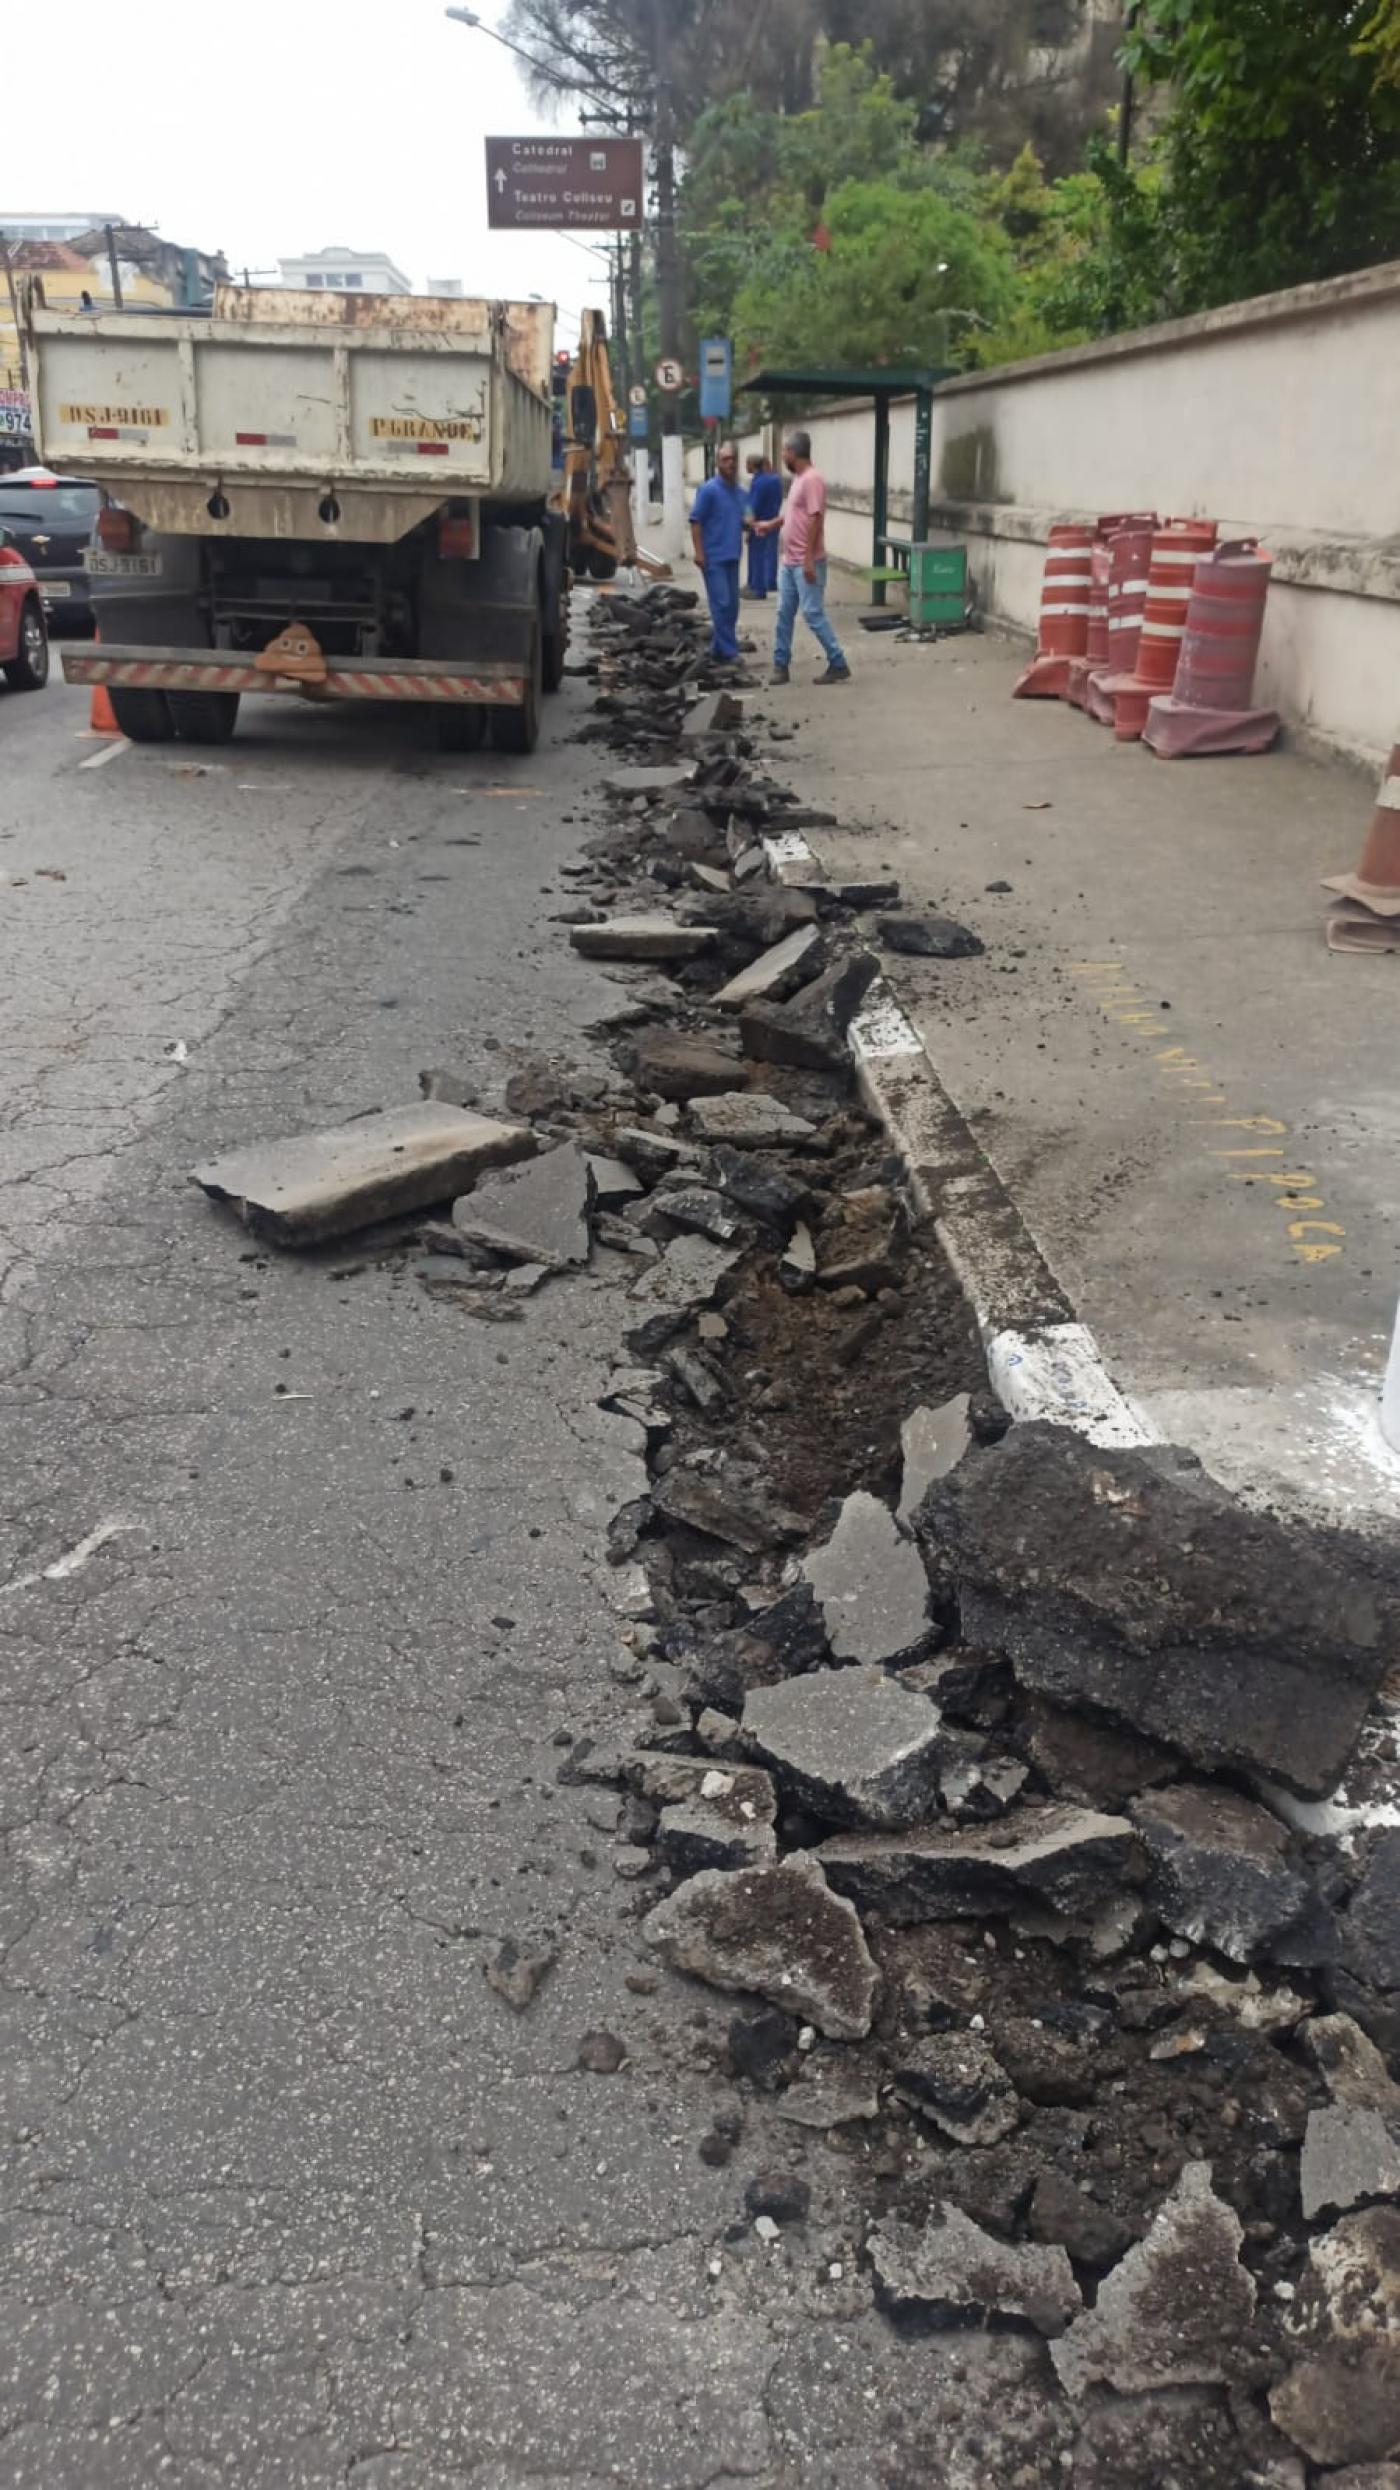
<point x="144" y="717"/>
<point x="518" y="729"/>
<point x="204" y="717"/>
<point x="462" y="728"/>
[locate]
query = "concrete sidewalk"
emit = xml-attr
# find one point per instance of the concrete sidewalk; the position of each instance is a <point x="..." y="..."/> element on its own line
<point x="1193" y="1104"/>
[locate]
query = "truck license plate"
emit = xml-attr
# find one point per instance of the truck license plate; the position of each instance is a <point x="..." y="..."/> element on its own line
<point x="122" y="565"/>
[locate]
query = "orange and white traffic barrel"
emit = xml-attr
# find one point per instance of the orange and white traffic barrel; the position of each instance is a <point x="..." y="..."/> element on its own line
<point x="1096" y="647"/>
<point x="1131" y="549"/>
<point x="1064" y="613"/>
<point x="1209" y="708"/>
<point x="1369" y="916"/>
<point x="1176" y="549"/>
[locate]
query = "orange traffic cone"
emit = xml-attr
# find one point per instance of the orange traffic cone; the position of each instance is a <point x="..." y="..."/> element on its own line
<point x="1369" y="918"/>
<point x="101" y="716"/>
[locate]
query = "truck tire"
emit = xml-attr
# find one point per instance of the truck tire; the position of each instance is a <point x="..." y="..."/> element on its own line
<point x="554" y="599"/>
<point x="144" y="717"/>
<point x="518" y="730"/>
<point x="28" y="669"/>
<point x="554" y="645"/>
<point x="204" y="717"/>
<point x="601" y="565"/>
<point x="462" y="728"/>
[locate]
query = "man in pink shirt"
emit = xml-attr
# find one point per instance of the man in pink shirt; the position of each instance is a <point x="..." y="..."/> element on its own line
<point x="802" y="565"/>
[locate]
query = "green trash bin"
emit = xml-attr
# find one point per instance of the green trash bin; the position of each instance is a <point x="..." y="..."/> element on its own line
<point x="938" y="586"/>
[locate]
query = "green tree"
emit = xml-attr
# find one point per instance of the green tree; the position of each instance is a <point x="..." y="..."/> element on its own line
<point x="902" y="277"/>
<point x="1280" y="154"/>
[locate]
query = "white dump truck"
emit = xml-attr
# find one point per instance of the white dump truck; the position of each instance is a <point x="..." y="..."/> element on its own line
<point x="336" y="496"/>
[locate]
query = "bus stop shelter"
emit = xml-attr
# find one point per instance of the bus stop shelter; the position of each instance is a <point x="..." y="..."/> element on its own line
<point x="881" y="383"/>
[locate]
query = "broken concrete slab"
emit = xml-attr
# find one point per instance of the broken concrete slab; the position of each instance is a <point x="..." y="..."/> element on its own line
<point x="777" y="1932"/>
<point x="929" y="937"/>
<point x="672" y="1065"/>
<point x="537" y="1213"/>
<point x="776" y="974"/>
<point x="748" y="1119"/>
<point x="955" y="2080"/>
<point x="1351" y="2156"/>
<point x="718" y="713"/>
<point x="318" y="1185"/>
<point x="1068" y="1857"/>
<point x="710" y="879"/>
<point x="1351" y="2066"/>
<point x="810" y="1032"/>
<point x="647" y="782"/>
<point x="852" y="1745"/>
<point x="933" y="1442"/>
<point x="1368" y="1982"/>
<point x="1220" y="1873"/>
<point x="1246" y="1642"/>
<point x="871" y="1586"/>
<point x="1175" y="2310"/>
<point x="955" y="2274"/>
<point x="641" y="938"/>
<point x="1341" y="2399"/>
<point x="694" y="1210"/>
<point x="688" y="1274"/>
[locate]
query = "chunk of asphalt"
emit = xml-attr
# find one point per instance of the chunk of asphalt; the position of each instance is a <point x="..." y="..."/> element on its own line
<point x="641" y="938"/>
<point x="777" y="1932"/>
<point x="687" y="1275"/>
<point x="1350" y="2157"/>
<point x="716" y="713"/>
<point x="1340" y="2402"/>
<point x="671" y="1065"/>
<point x="810" y="1032"/>
<point x="1258" y="1648"/>
<point x="613" y="1181"/>
<point x="738" y="1518"/>
<point x="653" y="1154"/>
<point x="852" y="1745"/>
<point x="929" y="937"/>
<point x="649" y="782"/>
<point x="537" y="1213"/>
<point x="726" y="1823"/>
<point x="748" y="1119"/>
<point x="1219" y="1873"/>
<point x="870" y="1586"/>
<point x="776" y="974"/>
<point x="1174" y="2311"/>
<point x="515" y="1973"/>
<point x="318" y="1185"/>
<point x="1351" y="2066"/>
<point x="933" y="1442"/>
<point x="765" y="1192"/>
<point x="955" y="2274"/>
<point x="955" y="2080"/>
<point x="1068" y="1857"/>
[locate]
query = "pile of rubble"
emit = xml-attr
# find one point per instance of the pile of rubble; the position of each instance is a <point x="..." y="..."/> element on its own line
<point x="979" y="1763"/>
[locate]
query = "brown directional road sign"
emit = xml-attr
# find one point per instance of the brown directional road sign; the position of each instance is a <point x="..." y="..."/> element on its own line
<point x="591" y="183"/>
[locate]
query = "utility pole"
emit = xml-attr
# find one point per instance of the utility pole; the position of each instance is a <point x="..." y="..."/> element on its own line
<point x="1126" y="100"/>
<point x="668" y="287"/>
<point x="7" y="265"/>
<point x="112" y="264"/>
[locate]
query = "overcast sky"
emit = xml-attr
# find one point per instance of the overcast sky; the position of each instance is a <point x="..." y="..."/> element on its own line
<point x="266" y="128"/>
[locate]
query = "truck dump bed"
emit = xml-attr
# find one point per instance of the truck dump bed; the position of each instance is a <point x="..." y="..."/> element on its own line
<point x="297" y="414"/>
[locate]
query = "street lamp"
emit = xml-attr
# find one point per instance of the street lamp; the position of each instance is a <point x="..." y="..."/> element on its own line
<point x="542" y="69"/>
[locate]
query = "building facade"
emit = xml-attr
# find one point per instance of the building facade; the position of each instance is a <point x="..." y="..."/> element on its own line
<point x="339" y="271"/>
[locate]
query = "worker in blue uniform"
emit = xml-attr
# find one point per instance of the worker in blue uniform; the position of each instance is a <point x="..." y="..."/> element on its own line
<point x="765" y="505"/>
<point x="717" y="539"/>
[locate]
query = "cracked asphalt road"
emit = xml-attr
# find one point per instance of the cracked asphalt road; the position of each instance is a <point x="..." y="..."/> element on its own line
<point x="290" y="2197"/>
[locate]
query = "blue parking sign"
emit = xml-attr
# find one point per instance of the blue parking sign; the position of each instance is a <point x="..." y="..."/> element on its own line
<point x="716" y="379"/>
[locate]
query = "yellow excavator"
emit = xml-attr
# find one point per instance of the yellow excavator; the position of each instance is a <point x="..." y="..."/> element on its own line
<point x="596" y="496"/>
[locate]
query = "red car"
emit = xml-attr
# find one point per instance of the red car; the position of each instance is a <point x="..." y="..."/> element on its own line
<point x="24" y="637"/>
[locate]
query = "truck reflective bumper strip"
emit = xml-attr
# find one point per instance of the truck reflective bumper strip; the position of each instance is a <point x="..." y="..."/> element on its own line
<point x="170" y="672"/>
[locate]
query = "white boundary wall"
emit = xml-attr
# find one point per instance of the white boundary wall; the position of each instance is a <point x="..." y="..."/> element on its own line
<point x="1279" y="417"/>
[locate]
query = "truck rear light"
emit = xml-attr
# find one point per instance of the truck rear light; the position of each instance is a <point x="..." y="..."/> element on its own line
<point x="456" y="539"/>
<point x="118" y="531"/>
